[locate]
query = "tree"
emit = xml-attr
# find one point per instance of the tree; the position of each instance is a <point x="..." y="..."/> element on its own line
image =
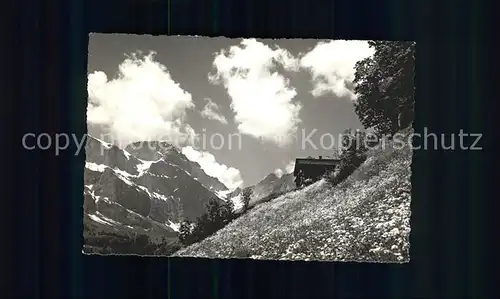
<point x="352" y="155"/>
<point x="245" y="197"/>
<point x="385" y="87"/>
<point x="227" y="212"/>
<point x="185" y="232"/>
<point x="218" y="214"/>
<point x="214" y="213"/>
<point x="202" y="227"/>
<point x="352" y="142"/>
<point x="336" y="153"/>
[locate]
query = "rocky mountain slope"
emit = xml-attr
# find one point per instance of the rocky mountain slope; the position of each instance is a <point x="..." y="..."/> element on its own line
<point x="264" y="189"/>
<point x="364" y="218"/>
<point x="271" y="184"/>
<point x="144" y="190"/>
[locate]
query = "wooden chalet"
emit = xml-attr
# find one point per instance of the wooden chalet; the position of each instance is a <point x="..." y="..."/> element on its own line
<point x="312" y="169"/>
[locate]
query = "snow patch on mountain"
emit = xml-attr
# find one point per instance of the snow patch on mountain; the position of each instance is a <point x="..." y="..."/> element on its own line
<point x="98" y="217"/>
<point x="127" y="155"/>
<point x="95" y="167"/>
<point x="124" y="173"/>
<point x="99" y="220"/>
<point x="159" y="196"/>
<point x="222" y="194"/>
<point x="237" y="202"/>
<point x="174" y="226"/>
<point x="142" y="168"/>
<point x="103" y="143"/>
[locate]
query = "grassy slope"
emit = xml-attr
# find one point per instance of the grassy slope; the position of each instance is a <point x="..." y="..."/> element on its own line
<point x="365" y="218"/>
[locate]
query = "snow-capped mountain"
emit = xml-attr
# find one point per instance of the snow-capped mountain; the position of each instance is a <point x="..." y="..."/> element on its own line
<point x="270" y="185"/>
<point x="152" y="151"/>
<point x="148" y="189"/>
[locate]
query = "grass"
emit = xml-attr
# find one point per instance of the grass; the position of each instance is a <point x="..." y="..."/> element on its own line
<point x="364" y="218"/>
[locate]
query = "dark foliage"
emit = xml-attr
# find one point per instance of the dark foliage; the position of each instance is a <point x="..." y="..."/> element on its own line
<point x="384" y="84"/>
<point x="352" y="156"/>
<point x="186" y="235"/>
<point x="218" y="215"/>
<point x="110" y="243"/>
<point x="246" y="196"/>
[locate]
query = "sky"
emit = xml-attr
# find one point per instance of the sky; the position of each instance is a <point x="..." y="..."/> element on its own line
<point x="241" y="108"/>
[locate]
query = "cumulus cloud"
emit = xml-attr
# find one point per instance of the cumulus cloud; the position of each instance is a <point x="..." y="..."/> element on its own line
<point x="290" y="166"/>
<point x="278" y="172"/>
<point x="261" y="97"/>
<point x="286" y="170"/>
<point x="212" y="111"/>
<point x="331" y="65"/>
<point x="143" y="102"/>
<point x="229" y="176"/>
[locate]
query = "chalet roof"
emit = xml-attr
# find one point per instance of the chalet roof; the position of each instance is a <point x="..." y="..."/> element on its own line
<point x="319" y="164"/>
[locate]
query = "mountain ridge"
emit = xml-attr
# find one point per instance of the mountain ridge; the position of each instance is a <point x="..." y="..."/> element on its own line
<point x="269" y="186"/>
<point x="148" y="188"/>
<point x="125" y="195"/>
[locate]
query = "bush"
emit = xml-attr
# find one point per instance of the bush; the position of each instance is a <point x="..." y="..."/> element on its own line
<point x="351" y="157"/>
<point x="186" y="229"/>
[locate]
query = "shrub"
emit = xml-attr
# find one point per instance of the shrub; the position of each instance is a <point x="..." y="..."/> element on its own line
<point x="351" y="157"/>
<point x="186" y="229"/>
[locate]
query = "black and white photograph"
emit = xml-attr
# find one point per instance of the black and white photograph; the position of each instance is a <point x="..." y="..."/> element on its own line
<point x="249" y="148"/>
